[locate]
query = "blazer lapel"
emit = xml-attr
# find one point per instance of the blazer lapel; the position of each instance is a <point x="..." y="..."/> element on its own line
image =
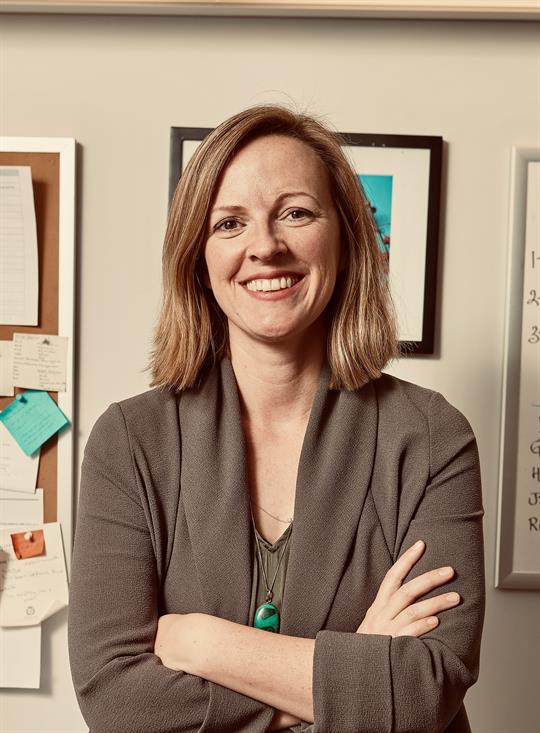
<point x="215" y="494"/>
<point x="334" y="473"/>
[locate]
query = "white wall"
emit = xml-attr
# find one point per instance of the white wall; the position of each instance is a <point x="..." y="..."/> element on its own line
<point x="118" y="84"/>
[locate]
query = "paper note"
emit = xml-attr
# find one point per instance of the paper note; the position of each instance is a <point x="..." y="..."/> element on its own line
<point x="32" y="418"/>
<point x="18" y="247"/>
<point x="6" y="368"/>
<point x="16" y="509"/>
<point x="20" y="656"/>
<point x="28" y="543"/>
<point x="33" y="589"/>
<point x="39" y="361"/>
<point x="18" y="472"/>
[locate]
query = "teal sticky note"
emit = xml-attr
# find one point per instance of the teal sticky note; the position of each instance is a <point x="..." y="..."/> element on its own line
<point x="32" y="418"/>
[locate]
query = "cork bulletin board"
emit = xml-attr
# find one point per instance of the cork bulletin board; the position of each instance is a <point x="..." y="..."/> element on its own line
<point x="52" y="163"/>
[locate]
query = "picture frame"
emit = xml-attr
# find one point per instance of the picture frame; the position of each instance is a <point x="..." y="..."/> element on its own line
<point x="401" y="177"/>
<point x="517" y="561"/>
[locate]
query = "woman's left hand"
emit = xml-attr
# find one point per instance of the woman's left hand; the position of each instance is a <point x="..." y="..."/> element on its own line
<point x="175" y="641"/>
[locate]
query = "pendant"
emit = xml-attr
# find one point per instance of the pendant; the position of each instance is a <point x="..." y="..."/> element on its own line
<point x="267" y="617"/>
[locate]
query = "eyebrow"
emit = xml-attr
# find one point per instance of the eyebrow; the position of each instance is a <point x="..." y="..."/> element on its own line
<point x="284" y="195"/>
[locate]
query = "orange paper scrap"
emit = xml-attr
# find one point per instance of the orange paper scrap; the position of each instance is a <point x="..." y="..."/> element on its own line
<point x="28" y="544"/>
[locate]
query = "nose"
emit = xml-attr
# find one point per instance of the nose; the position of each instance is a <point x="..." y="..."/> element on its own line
<point x="265" y="243"/>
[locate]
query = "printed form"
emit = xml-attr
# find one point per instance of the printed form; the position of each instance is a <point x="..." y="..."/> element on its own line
<point x="18" y="248"/>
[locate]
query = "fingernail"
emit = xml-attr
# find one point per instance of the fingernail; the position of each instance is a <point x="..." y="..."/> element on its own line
<point x="445" y="571"/>
<point x="418" y="545"/>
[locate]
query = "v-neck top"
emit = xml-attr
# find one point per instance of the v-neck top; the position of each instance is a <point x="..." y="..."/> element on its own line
<point x="270" y="556"/>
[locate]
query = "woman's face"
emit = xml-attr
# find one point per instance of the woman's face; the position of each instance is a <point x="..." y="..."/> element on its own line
<point x="273" y="245"/>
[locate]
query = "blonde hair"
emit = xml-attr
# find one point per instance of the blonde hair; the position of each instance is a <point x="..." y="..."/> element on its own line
<point x="191" y="331"/>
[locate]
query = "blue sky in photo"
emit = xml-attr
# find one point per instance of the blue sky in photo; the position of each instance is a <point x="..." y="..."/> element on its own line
<point x="378" y="190"/>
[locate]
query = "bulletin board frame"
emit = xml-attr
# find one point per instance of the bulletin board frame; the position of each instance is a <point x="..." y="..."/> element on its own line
<point x="63" y="201"/>
<point x="508" y="574"/>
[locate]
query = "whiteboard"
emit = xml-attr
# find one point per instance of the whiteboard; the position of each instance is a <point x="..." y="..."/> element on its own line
<point x="518" y="525"/>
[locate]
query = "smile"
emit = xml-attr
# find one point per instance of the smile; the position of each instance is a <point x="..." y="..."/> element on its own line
<point x="276" y="283"/>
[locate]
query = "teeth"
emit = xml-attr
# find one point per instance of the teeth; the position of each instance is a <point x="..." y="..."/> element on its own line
<point x="275" y="283"/>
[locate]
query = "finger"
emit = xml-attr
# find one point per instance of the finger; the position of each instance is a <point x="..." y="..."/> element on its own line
<point x="398" y="572"/>
<point x="424" y="609"/>
<point x="418" y="627"/>
<point x="417" y="587"/>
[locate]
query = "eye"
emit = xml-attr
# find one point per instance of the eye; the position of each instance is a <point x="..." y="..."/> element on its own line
<point x="297" y="214"/>
<point x="227" y="225"/>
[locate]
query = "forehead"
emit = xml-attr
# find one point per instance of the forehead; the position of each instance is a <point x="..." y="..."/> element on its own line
<point x="273" y="164"/>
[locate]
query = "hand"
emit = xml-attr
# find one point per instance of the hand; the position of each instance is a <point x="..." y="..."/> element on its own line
<point x="393" y="611"/>
<point x="283" y="720"/>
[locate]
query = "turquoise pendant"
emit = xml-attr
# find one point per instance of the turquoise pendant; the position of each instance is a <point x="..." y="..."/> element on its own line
<point x="267" y="617"/>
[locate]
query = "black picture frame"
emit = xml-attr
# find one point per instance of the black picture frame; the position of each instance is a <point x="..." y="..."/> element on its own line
<point x="411" y="167"/>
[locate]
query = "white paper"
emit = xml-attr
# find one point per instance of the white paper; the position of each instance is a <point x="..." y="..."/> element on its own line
<point x="17" y="509"/>
<point x="20" y="656"/>
<point x="6" y="368"/>
<point x="18" y="472"/>
<point x="34" y="588"/>
<point x="18" y="247"/>
<point x="39" y="361"/>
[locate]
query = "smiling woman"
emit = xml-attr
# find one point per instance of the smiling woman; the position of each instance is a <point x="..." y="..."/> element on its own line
<point x="275" y="479"/>
<point x="285" y="225"/>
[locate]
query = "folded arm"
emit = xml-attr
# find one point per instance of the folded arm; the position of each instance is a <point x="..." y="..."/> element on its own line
<point x="366" y="683"/>
<point x="120" y="683"/>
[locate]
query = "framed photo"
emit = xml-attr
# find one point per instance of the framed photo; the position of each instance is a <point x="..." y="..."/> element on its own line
<point x="401" y="177"/>
<point x="517" y="562"/>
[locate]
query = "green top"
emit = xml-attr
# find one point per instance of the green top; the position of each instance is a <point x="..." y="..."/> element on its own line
<point x="270" y="555"/>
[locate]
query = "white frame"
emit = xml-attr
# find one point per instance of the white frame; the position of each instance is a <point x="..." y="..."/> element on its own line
<point x="434" y="9"/>
<point x="506" y="575"/>
<point x="66" y="312"/>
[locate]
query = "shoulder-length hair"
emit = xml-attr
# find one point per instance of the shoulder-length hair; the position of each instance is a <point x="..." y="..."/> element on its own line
<point x="191" y="333"/>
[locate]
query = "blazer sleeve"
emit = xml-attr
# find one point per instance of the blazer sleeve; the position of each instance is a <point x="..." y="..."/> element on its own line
<point x="369" y="683"/>
<point x="120" y="683"/>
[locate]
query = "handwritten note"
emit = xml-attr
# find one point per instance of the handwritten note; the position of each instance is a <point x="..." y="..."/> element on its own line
<point x="39" y="361"/>
<point x="18" y="247"/>
<point x="33" y="589"/>
<point x="6" y="368"/>
<point x="18" y="472"/>
<point x="32" y="418"/>
<point x="527" y="534"/>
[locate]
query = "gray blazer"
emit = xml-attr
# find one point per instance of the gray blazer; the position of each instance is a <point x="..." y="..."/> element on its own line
<point x="164" y="527"/>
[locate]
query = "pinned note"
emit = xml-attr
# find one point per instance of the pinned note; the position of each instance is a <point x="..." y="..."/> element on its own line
<point x="20" y="656"/>
<point x="21" y="509"/>
<point x="17" y="471"/>
<point x="39" y="361"/>
<point x="32" y="418"/>
<point x="18" y="247"/>
<point x="6" y="368"/>
<point x="31" y="590"/>
<point x="30" y="543"/>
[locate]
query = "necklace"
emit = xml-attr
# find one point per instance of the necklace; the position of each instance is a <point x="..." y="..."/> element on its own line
<point x="284" y="521"/>
<point x="267" y="614"/>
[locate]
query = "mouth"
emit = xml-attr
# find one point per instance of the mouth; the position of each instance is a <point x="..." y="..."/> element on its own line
<point x="275" y="284"/>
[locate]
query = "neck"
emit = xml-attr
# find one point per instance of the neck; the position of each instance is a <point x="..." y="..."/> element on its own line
<point x="277" y="382"/>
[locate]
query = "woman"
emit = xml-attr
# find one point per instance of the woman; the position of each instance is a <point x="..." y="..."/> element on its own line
<point x="274" y="479"/>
